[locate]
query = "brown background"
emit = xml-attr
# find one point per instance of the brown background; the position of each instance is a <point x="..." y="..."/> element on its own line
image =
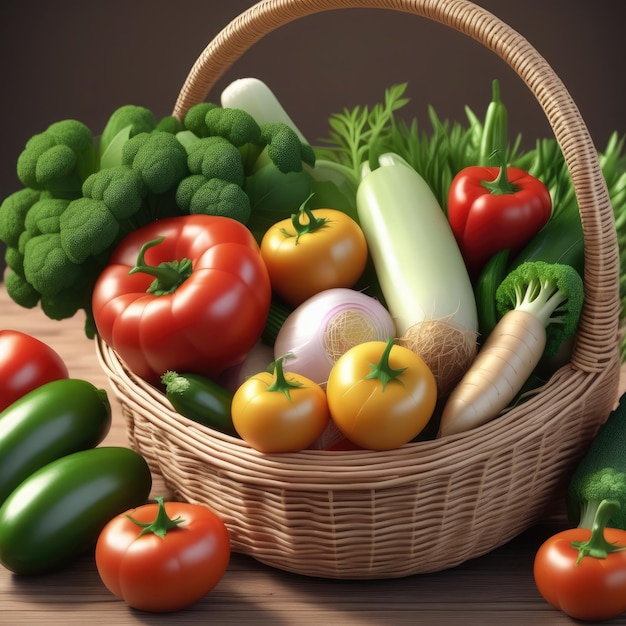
<point x="84" y="59"/>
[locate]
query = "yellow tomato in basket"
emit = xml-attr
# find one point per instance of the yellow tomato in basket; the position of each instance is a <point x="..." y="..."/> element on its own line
<point x="278" y="412"/>
<point x="381" y="395"/>
<point x="312" y="251"/>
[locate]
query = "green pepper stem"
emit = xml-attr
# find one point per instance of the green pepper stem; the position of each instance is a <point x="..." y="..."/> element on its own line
<point x="168" y="276"/>
<point x="597" y="546"/>
<point x="501" y="185"/>
<point x="312" y="224"/>
<point x="383" y="370"/>
<point x="160" y="524"/>
<point x="280" y="382"/>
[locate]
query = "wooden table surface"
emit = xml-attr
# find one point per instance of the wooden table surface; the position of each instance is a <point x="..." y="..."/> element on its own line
<point x="494" y="589"/>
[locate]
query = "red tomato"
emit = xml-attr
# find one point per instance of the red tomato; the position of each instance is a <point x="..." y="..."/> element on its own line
<point x="593" y="589"/>
<point x="168" y="573"/>
<point x="25" y="364"/>
<point x="208" y="321"/>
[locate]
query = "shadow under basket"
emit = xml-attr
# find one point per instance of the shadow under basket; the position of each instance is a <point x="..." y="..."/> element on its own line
<point x="426" y="506"/>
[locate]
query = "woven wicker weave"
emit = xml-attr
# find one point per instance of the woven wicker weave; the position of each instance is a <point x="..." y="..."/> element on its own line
<point x="363" y="514"/>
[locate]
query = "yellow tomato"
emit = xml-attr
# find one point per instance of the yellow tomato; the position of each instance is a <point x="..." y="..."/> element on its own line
<point x="381" y="395"/>
<point x="278" y="412"/>
<point x="313" y="251"/>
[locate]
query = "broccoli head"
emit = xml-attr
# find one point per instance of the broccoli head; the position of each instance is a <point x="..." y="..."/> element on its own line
<point x="284" y="147"/>
<point x="130" y="118"/>
<point x="195" y="118"/>
<point x="552" y="292"/>
<point x="159" y="158"/>
<point x="20" y="290"/>
<point x="45" y="215"/>
<point x="59" y="159"/>
<point x="197" y="194"/>
<point x="215" y="157"/>
<point x="46" y="266"/>
<point x="13" y="212"/>
<point x="121" y="189"/>
<point x="235" y="125"/>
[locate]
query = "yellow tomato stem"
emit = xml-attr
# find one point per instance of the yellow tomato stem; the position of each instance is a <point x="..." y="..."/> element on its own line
<point x="280" y="382"/>
<point x="597" y="546"/>
<point x="160" y="524"/>
<point x="312" y="224"/>
<point x="383" y="370"/>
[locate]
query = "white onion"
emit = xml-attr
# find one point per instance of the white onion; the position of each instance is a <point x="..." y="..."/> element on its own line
<point x="326" y="326"/>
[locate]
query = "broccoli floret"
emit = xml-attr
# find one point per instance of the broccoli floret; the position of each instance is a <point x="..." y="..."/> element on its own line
<point x="130" y="118"/>
<point x="13" y="212"/>
<point x="88" y="228"/>
<point x="601" y="474"/>
<point x="46" y="266"/>
<point x="121" y="188"/>
<point x="44" y="216"/>
<point x="214" y="196"/>
<point x="20" y="290"/>
<point x="160" y="159"/>
<point x="91" y="224"/>
<point x="169" y="124"/>
<point x="195" y="118"/>
<point x="59" y="159"/>
<point x="285" y="149"/>
<point x="235" y="125"/>
<point x="552" y="292"/>
<point x="215" y="157"/>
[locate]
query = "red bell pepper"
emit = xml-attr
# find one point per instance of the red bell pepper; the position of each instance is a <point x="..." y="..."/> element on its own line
<point x="188" y="293"/>
<point x="495" y="208"/>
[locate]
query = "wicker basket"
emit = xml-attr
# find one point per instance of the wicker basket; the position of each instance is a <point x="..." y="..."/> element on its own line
<point x="431" y="505"/>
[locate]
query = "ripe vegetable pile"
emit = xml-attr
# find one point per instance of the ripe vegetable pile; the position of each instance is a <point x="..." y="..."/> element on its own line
<point x="356" y="295"/>
<point x="190" y="243"/>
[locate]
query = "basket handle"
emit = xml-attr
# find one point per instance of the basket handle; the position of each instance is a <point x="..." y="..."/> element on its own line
<point x="597" y="336"/>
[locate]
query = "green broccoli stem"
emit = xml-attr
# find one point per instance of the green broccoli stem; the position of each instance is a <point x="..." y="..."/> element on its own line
<point x="542" y="299"/>
<point x="280" y="382"/>
<point x="501" y="185"/>
<point x="383" y="370"/>
<point x="588" y="512"/>
<point x="597" y="546"/>
<point x="160" y="524"/>
<point x="169" y="275"/>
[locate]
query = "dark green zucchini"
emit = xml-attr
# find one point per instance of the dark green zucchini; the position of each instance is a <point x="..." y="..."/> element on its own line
<point x="201" y="400"/>
<point x="54" y="420"/>
<point x="58" y="512"/>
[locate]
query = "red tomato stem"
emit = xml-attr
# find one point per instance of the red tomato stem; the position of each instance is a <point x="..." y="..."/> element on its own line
<point x="168" y="276"/>
<point x="160" y="524"/>
<point x="383" y="370"/>
<point x="597" y="546"/>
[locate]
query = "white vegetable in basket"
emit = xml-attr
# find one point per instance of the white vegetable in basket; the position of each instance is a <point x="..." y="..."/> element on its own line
<point x="419" y="266"/>
<point x="256" y="98"/>
<point x="327" y="325"/>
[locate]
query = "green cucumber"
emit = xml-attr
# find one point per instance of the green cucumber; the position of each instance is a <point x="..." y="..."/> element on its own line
<point x="56" y="419"/>
<point x="200" y="399"/>
<point x="58" y="512"/>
